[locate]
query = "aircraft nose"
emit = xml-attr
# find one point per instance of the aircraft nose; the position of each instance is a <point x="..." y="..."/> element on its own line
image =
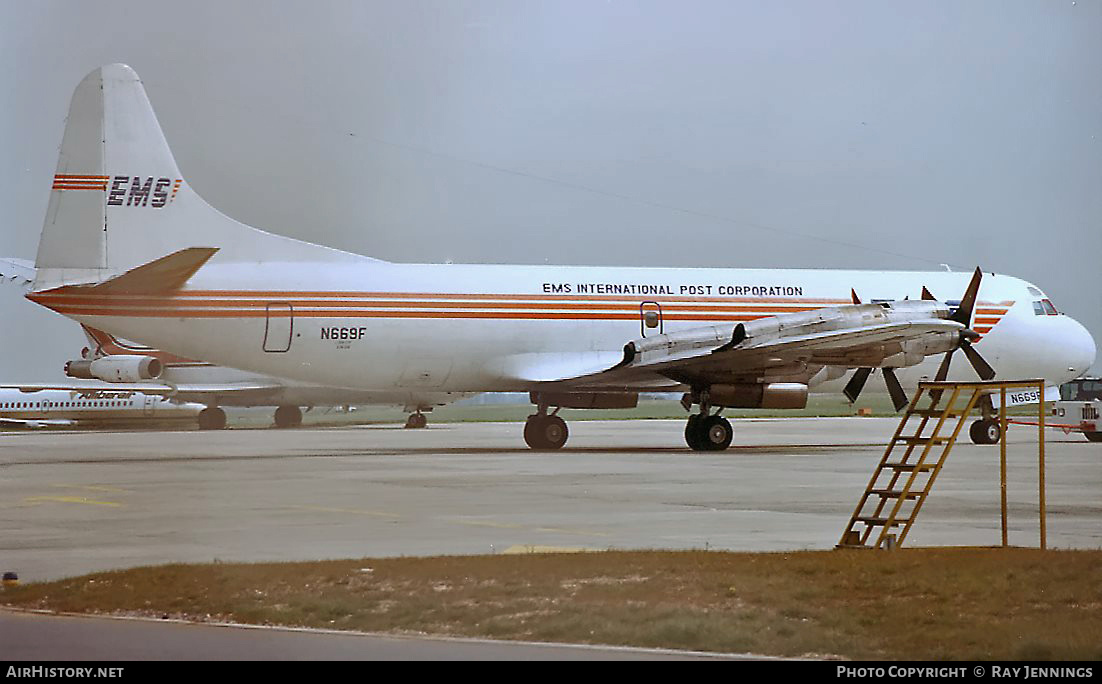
<point x="1075" y="345"/>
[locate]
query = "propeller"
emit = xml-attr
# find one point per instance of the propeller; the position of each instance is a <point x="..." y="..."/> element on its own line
<point x="962" y="315"/>
<point x="853" y="388"/>
<point x="895" y="390"/>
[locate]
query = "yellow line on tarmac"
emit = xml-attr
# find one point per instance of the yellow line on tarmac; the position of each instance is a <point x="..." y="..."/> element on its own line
<point x="72" y="499"/>
<point x="94" y="488"/>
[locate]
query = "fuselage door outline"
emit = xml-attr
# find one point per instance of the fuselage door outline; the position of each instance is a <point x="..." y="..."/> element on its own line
<point x="650" y="318"/>
<point x="278" y="327"/>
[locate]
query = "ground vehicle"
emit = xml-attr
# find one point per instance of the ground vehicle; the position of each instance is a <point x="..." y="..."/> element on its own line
<point x="1081" y="389"/>
<point x="1073" y="416"/>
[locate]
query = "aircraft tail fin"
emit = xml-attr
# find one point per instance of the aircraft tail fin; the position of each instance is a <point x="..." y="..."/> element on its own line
<point x="118" y="199"/>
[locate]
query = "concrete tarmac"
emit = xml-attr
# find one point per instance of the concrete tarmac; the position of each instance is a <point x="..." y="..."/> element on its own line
<point x="77" y="502"/>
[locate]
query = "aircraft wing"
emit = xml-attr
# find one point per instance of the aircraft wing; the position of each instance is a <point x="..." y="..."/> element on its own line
<point x="783" y="348"/>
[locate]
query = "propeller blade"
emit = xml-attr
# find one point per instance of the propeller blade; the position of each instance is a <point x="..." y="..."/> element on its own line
<point x="899" y="397"/>
<point x="926" y="295"/>
<point x="983" y="369"/>
<point x="856" y="383"/>
<point x="942" y="373"/>
<point x="963" y="314"/>
<point x="943" y="369"/>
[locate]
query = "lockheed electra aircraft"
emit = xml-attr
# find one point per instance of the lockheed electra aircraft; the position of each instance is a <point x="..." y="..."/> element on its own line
<point x="128" y="247"/>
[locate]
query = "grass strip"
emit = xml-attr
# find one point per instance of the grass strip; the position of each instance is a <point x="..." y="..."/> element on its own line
<point x="915" y="604"/>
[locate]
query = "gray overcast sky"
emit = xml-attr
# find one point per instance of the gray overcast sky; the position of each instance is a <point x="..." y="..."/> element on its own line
<point x="816" y="134"/>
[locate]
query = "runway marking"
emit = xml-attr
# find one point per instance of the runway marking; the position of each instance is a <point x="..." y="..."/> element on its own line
<point x="357" y="511"/>
<point x="72" y="499"/>
<point x="94" y="488"/>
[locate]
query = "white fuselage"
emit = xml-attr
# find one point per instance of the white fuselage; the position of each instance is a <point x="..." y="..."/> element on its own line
<point x="481" y="328"/>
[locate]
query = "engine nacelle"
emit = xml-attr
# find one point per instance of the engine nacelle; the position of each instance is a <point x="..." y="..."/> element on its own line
<point x="586" y="400"/>
<point x="122" y="368"/>
<point x="774" y="395"/>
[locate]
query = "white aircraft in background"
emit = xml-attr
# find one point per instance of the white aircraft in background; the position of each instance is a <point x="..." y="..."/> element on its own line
<point x="90" y="407"/>
<point x="128" y="247"/>
<point x="128" y="366"/>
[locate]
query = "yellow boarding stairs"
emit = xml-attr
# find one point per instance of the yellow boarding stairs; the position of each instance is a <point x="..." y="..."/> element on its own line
<point x="911" y="463"/>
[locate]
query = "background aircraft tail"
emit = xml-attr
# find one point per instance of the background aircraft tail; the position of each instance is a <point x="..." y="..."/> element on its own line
<point x="119" y="201"/>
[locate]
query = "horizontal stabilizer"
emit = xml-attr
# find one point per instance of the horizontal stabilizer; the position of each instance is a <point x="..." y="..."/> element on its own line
<point x="19" y="271"/>
<point x="183" y="391"/>
<point x="162" y="275"/>
<point x="36" y="423"/>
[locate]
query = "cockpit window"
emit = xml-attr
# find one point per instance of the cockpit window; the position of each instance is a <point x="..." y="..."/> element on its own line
<point x="1034" y="291"/>
<point x="1044" y="308"/>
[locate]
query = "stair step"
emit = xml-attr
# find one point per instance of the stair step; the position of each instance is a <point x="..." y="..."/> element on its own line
<point x="924" y="467"/>
<point x="936" y="413"/>
<point x="915" y="439"/>
<point x="894" y="494"/>
<point x="882" y="522"/>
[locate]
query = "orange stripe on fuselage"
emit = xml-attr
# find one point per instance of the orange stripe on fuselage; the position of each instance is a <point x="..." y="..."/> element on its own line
<point x="636" y="299"/>
<point x="261" y="313"/>
<point x="197" y="305"/>
<point x="332" y="304"/>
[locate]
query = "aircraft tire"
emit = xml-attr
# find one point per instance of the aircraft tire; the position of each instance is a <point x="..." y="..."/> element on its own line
<point x="985" y="431"/>
<point x="288" y="416"/>
<point x="212" y="418"/>
<point x="715" y="433"/>
<point x="692" y="433"/>
<point x="1094" y="436"/>
<point x="416" y="421"/>
<point x="545" y="433"/>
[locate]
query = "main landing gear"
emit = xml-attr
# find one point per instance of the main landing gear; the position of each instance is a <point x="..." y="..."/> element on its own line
<point x="545" y="432"/>
<point x="288" y="416"/>
<point x="212" y="418"/>
<point x="705" y="432"/>
<point x="416" y="420"/>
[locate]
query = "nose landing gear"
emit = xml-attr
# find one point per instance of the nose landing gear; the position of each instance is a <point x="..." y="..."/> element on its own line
<point x="985" y="431"/>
